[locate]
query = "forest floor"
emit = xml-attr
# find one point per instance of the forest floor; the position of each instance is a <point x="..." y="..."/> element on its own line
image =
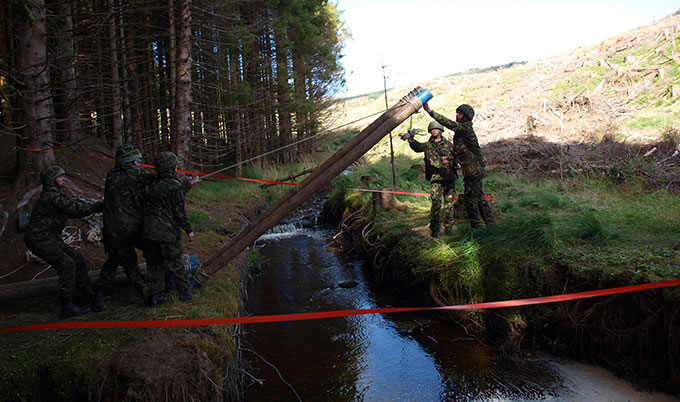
<point x="113" y="364"/>
<point x="607" y="112"/>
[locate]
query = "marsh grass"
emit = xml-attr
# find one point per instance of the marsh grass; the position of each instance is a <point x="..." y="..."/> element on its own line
<point x="599" y="226"/>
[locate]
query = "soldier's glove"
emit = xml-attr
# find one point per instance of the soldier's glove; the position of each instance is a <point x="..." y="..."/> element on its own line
<point x="410" y="134"/>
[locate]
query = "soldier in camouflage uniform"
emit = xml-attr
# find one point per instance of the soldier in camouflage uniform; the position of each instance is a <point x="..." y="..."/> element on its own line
<point x="124" y="200"/>
<point x="164" y="219"/>
<point x="470" y="156"/>
<point x="43" y="238"/>
<point x="440" y="170"/>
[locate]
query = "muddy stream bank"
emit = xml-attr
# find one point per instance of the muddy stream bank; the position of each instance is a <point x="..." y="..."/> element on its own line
<point x="419" y="356"/>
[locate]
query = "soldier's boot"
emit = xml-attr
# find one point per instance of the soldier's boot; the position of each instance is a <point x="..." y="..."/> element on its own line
<point x="99" y="305"/>
<point x="169" y="283"/>
<point x="186" y="295"/>
<point x="85" y="294"/>
<point x="70" y="309"/>
<point x="448" y="231"/>
<point x="142" y="290"/>
<point x="157" y="299"/>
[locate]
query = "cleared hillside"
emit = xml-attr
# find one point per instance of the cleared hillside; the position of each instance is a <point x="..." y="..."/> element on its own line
<point x="623" y="90"/>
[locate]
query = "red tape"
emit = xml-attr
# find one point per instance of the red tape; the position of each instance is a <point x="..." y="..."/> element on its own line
<point x="191" y="172"/>
<point x="335" y="314"/>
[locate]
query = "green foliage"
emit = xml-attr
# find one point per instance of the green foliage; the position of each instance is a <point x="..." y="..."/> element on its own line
<point x="336" y="141"/>
<point x="539" y="222"/>
<point x="229" y="190"/>
<point x="590" y="227"/>
<point x="585" y="77"/>
<point x="199" y="220"/>
<point x="658" y="121"/>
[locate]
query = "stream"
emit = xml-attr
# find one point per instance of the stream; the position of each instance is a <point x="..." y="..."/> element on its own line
<point x="413" y="356"/>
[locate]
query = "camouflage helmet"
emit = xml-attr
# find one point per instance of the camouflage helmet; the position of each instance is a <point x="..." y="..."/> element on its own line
<point x="49" y="173"/>
<point x="434" y="124"/>
<point x="166" y="161"/>
<point x="467" y="110"/>
<point x="128" y="153"/>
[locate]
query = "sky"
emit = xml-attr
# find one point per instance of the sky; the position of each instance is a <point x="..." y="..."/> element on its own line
<point x="418" y="40"/>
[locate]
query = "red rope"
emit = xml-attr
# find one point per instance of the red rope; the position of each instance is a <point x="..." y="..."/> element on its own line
<point x="335" y="314"/>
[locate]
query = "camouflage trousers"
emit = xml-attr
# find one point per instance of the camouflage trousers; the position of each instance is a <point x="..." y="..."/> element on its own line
<point x="162" y="258"/>
<point x="124" y="255"/>
<point x="68" y="262"/>
<point x="439" y="213"/>
<point x="477" y="207"/>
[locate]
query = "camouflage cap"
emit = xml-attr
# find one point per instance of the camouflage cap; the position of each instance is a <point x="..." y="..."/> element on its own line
<point x="49" y="173"/>
<point x="128" y="153"/>
<point x="166" y="161"/>
<point x="467" y="110"/>
<point x="434" y="124"/>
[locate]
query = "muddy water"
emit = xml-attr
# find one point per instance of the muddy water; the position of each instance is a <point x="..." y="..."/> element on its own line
<point x="417" y="356"/>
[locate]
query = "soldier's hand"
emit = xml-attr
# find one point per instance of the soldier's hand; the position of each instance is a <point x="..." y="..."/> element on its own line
<point x="194" y="179"/>
<point x="427" y="108"/>
<point x="191" y="236"/>
<point x="406" y="136"/>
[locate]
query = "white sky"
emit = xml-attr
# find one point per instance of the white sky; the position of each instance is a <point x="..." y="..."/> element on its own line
<point x="419" y="39"/>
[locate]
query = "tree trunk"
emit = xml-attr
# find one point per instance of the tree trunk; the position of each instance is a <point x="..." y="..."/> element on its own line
<point x="70" y="116"/>
<point x="125" y="80"/>
<point x="172" y="63"/>
<point x="283" y="91"/>
<point x="116" y="124"/>
<point x="35" y="136"/>
<point x="182" y="129"/>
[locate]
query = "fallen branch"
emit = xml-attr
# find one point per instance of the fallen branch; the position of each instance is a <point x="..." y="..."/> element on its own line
<point x="286" y="179"/>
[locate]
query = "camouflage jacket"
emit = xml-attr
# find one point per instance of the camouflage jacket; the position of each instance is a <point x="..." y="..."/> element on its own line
<point x="466" y="145"/>
<point x="124" y="201"/>
<point x="164" y="214"/>
<point x="435" y="169"/>
<point x="51" y="211"/>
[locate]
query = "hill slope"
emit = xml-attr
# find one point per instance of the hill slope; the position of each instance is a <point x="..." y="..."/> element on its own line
<point x="624" y="88"/>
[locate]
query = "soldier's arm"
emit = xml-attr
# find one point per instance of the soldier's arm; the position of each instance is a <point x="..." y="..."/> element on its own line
<point x="75" y="209"/>
<point x="179" y="212"/>
<point x="444" y="121"/>
<point x="416" y="146"/>
<point x="146" y="175"/>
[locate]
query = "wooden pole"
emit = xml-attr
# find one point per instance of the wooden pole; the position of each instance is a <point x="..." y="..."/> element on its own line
<point x="46" y="286"/>
<point x="321" y="177"/>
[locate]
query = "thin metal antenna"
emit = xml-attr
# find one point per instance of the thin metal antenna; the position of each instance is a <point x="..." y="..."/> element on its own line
<point x="394" y="172"/>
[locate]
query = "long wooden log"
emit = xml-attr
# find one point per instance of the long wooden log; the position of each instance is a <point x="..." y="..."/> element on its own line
<point x="321" y="177"/>
<point x="45" y="286"/>
<point x="334" y="158"/>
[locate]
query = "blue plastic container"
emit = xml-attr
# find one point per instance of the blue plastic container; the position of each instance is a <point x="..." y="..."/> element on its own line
<point x="424" y="95"/>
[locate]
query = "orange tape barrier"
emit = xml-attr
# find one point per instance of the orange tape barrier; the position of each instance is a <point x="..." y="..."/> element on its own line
<point x="335" y="314"/>
<point x="190" y="172"/>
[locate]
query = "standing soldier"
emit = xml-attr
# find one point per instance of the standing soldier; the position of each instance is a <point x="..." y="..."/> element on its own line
<point x="164" y="219"/>
<point x="124" y="200"/>
<point x="440" y="170"/>
<point x="470" y="156"/>
<point x="43" y="238"/>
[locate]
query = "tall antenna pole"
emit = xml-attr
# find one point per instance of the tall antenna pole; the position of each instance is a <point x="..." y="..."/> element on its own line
<point x="394" y="172"/>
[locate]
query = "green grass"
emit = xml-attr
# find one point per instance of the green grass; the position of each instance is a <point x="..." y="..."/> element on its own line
<point x="599" y="227"/>
<point x="59" y="365"/>
<point x="585" y="77"/>
<point x="659" y="121"/>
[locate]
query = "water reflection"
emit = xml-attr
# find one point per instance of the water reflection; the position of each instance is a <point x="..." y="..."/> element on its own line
<point x="396" y="357"/>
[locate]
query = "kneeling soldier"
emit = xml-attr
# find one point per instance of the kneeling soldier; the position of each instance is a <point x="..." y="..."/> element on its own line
<point x="43" y="238"/>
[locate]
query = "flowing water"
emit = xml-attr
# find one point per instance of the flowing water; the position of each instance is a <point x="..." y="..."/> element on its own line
<point x="415" y="356"/>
